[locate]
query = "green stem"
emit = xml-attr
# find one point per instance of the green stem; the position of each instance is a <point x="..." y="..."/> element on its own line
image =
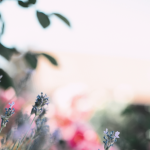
<point x="30" y="143"/>
<point x="107" y="148"/>
<point x="28" y="130"/>
<point x="1" y="130"/>
<point x="18" y="145"/>
<point x="13" y="145"/>
<point x="25" y="144"/>
<point x="29" y="117"/>
<point x="20" y="141"/>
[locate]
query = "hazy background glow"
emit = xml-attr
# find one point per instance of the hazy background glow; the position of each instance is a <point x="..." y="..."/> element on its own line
<point x="118" y="28"/>
<point x="103" y="66"/>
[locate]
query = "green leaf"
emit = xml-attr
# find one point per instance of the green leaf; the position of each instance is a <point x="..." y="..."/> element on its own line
<point x="26" y="4"/>
<point x="51" y="59"/>
<point x="31" y="59"/>
<point x="6" y="80"/>
<point x="23" y="4"/>
<point x="32" y="1"/>
<point x="7" y="52"/>
<point x="62" y="18"/>
<point x="43" y="19"/>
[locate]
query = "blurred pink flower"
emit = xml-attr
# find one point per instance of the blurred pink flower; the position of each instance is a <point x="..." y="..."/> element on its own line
<point x="7" y="96"/>
<point x="79" y="136"/>
<point x="69" y="116"/>
<point x="84" y="138"/>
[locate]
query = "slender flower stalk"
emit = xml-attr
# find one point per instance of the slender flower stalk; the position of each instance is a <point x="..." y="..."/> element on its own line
<point x="30" y="143"/>
<point x="20" y="142"/>
<point x="29" y="129"/>
<point x="13" y="145"/>
<point x="29" y="117"/>
<point x="30" y="139"/>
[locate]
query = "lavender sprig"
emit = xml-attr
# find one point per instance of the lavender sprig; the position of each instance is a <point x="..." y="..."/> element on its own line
<point x="39" y="103"/>
<point x="8" y="113"/>
<point x="110" y="138"/>
<point x="37" y="109"/>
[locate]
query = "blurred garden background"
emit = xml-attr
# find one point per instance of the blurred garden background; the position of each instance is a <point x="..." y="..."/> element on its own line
<point x="91" y="58"/>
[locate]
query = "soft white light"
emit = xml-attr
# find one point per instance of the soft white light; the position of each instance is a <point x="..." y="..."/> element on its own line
<point x="118" y="28"/>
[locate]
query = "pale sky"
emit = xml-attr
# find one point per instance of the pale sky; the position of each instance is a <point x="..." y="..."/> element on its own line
<point x="106" y="27"/>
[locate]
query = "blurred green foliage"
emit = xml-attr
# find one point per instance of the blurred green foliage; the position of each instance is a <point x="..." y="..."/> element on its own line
<point x="7" y="81"/>
<point x="7" y="52"/>
<point x="31" y="59"/>
<point x="133" y="123"/>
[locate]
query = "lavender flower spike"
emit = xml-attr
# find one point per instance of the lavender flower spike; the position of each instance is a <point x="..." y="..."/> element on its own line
<point x="8" y="113"/>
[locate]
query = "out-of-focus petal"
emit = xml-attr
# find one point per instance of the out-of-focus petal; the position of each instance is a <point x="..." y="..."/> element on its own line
<point x="105" y="132"/>
<point x="116" y="134"/>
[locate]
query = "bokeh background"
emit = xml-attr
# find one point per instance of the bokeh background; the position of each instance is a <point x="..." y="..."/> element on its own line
<point x="91" y="57"/>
